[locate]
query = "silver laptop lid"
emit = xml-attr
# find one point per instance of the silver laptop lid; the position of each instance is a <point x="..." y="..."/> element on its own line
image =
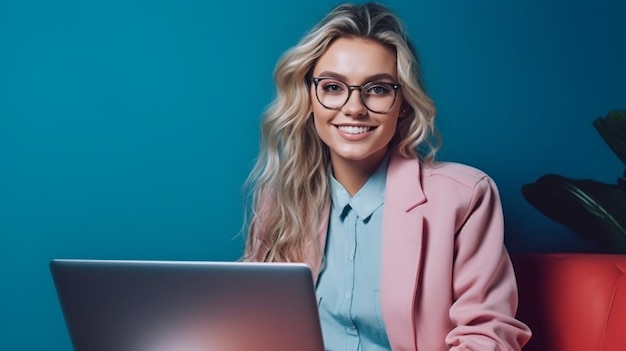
<point x="187" y="306"/>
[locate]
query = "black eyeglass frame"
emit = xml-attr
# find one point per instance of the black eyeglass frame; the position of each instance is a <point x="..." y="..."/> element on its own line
<point x="360" y="88"/>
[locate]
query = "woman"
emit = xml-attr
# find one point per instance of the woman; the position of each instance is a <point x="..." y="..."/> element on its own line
<point x="407" y="253"/>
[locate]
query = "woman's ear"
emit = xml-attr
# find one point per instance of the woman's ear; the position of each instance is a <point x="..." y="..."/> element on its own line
<point x="405" y="110"/>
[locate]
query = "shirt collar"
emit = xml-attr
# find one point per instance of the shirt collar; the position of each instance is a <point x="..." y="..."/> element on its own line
<point x="368" y="198"/>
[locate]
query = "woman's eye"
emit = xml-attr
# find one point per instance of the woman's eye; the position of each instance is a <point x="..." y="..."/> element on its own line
<point x="379" y="89"/>
<point x="333" y="88"/>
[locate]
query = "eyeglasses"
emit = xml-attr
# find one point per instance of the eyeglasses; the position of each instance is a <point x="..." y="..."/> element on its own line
<point x="377" y="97"/>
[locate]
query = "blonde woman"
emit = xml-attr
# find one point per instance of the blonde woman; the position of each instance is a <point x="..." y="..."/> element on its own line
<point x="407" y="253"/>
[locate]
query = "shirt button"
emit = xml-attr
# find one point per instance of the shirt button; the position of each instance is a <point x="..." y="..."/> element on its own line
<point x="348" y="295"/>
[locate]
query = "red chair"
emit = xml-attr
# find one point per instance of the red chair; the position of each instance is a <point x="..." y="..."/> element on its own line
<point x="573" y="301"/>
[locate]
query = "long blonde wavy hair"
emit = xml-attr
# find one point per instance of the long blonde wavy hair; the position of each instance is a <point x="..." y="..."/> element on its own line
<point x="290" y="180"/>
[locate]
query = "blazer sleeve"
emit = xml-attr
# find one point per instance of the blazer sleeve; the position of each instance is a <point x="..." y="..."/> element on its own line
<point x="484" y="285"/>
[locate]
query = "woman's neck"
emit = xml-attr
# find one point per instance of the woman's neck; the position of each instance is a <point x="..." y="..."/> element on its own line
<point x="353" y="174"/>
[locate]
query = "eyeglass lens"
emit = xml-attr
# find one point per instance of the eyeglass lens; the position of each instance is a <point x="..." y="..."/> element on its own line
<point x="334" y="94"/>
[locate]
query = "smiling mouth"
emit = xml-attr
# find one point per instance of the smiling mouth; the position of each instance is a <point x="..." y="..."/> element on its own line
<point x="354" y="129"/>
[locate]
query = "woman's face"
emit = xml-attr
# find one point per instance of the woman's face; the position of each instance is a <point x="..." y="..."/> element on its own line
<point x="356" y="136"/>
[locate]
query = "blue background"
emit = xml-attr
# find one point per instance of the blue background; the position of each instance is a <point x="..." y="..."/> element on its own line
<point x="128" y="127"/>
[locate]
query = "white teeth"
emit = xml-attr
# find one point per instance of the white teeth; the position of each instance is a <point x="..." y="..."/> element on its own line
<point x="353" y="130"/>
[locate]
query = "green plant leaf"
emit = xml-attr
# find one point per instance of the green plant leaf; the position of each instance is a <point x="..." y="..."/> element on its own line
<point x="612" y="129"/>
<point x="593" y="209"/>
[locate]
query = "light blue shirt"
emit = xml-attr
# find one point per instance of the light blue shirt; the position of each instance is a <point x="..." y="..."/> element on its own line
<point x="348" y="289"/>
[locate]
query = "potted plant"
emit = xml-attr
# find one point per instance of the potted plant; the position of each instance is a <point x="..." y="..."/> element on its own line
<point x="592" y="209"/>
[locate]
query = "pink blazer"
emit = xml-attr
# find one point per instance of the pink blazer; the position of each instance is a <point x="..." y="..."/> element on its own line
<point x="446" y="278"/>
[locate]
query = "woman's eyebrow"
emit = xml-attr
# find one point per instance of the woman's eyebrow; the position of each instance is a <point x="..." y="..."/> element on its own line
<point x="371" y="78"/>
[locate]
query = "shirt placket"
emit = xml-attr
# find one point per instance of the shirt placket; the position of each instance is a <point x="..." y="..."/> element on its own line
<point x="350" y="224"/>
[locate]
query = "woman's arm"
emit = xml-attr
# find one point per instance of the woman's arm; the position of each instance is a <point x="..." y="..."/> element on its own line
<point x="484" y="285"/>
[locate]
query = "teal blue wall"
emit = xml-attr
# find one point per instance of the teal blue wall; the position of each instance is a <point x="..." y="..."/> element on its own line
<point x="128" y="127"/>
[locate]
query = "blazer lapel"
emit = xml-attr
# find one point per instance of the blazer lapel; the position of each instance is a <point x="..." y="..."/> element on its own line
<point x="401" y="250"/>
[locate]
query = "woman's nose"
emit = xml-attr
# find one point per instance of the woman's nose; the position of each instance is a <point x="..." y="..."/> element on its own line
<point x="354" y="106"/>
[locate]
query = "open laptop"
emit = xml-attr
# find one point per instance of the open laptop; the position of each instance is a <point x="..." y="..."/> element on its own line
<point x="114" y="305"/>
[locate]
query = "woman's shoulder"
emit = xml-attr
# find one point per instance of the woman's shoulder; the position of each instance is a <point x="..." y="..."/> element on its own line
<point x="453" y="172"/>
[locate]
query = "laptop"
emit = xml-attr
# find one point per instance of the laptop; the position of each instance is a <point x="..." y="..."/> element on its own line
<point x="122" y="305"/>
